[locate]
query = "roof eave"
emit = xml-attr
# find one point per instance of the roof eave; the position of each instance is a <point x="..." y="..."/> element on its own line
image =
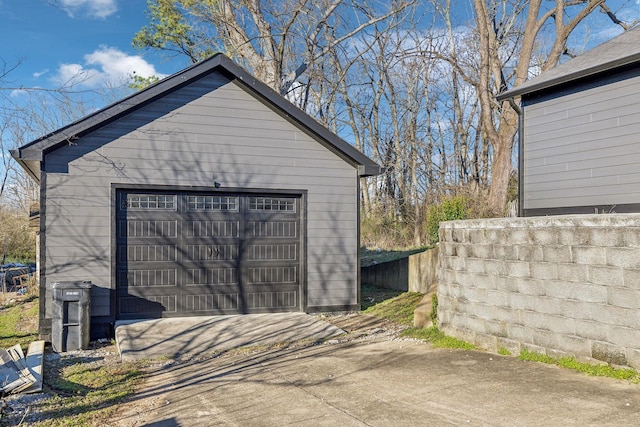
<point x="567" y="78"/>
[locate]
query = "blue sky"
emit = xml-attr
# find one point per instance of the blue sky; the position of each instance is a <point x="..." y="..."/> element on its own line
<point x="54" y="40"/>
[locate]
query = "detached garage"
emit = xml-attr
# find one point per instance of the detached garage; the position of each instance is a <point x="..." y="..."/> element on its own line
<point x="204" y="194"/>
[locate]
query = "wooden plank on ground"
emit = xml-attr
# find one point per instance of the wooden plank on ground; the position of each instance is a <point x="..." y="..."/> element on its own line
<point x="35" y="363"/>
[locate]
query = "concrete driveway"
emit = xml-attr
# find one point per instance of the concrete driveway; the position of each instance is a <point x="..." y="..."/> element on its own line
<point x="180" y="336"/>
<point x="370" y="378"/>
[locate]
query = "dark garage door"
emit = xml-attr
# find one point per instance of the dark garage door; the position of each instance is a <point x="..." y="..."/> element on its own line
<point x="185" y="254"/>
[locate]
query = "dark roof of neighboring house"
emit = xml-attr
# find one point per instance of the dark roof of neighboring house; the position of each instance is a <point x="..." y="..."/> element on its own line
<point x="31" y="154"/>
<point x="618" y="52"/>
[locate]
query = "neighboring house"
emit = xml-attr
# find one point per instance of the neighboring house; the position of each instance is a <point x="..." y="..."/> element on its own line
<point x="206" y="193"/>
<point x="580" y="133"/>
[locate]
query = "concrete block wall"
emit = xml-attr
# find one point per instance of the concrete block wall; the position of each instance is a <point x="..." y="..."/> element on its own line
<point x="415" y="273"/>
<point x="560" y="285"/>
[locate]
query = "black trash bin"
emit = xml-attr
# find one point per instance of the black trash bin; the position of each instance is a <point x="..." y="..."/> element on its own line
<point x="71" y="316"/>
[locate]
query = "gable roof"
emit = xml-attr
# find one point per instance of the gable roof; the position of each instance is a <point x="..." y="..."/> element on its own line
<point x="32" y="154"/>
<point x="618" y="52"/>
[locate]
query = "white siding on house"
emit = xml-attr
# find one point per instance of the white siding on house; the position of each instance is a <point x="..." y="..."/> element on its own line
<point x="582" y="148"/>
<point x="211" y="131"/>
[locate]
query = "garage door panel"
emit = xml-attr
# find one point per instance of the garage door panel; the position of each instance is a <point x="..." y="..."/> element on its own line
<point x="211" y="252"/>
<point x="207" y="228"/>
<point x="212" y="303"/>
<point x="269" y="252"/>
<point x="269" y="301"/>
<point x="272" y="274"/>
<point x="148" y="253"/>
<point x="146" y="228"/>
<point x="147" y="277"/>
<point x="273" y="229"/>
<point x="198" y="253"/>
<point x="212" y="276"/>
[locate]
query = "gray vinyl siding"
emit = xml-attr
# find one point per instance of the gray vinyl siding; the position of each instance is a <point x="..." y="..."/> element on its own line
<point x="210" y="131"/>
<point x="581" y="148"/>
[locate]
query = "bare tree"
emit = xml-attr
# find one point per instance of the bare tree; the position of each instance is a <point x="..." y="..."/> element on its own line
<point x="278" y="41"/>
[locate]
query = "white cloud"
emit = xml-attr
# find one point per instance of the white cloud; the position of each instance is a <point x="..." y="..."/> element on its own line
<point x="93" y="8"/>
<point x="106" y="66"/>
<point x="40" y="73"/>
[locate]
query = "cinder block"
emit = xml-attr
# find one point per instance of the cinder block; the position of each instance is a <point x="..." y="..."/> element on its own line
<point x="544" y="270"/>
<point x="518" y="269"/>
<point x="529" y="253"/>
<point x="495" y="235"/>
<point x="623" y="257"/>
<point x="533" y="348"/>
<point x="631" y="237"/>
<point x="523" y="302"/>
<point x="477" y="236"/>
<point x="544" y="236"/>
<point x="590" y="255"/>
<point x="512" y="345"/>
<point x="460" y="235"/>
<point x="445" y="235"/>
<point x="520" y="333"/>
<point x="556" y="253"/>
<point x="623" y="297"/>
<point x="497" y="298"/>
<point x="486" y="341"/>
<point x="484" y="281"/>
<point x="505" y="252"/>
<point x="591" y="330"/>
<point x="464" y="250"/>
<point x="447" y="248"/>
<point x="608" y="236"/>
<point x="503" y="314"/>
<point x="624" y="337"/>
<point x="517" y="236"/>
<point x="551" y="306"/>
<point x="579" y="309"/>
<point x="546" y="339"/>
<point x="483" y="251"/>
<point x="452" y="262"/>
<point x="631" y="278"/>
<point x="605" y="275"/>
<point x="608" y="353"/>
<point x="465" y="278"/>
<point x="633" y="357"/>
<point x="476" y="295"/>
<point x="573" y="236"/>
<point x="573" y="272"/>
<point x="530" y="286"/>
<point x="495" y="267"/>
<point x="475" y="265"/>
<point x="496" y="329"/>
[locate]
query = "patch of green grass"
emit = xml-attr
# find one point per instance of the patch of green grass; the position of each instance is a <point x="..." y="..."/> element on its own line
<point x="504" y="352"/>
<point x="377" y="256"/>
<point x="586" y="368"/>
<point x="398" y="309"/>
<point x="86" y="394"/>
<point x="19" y="323"/>
<point x="437" y="338"/>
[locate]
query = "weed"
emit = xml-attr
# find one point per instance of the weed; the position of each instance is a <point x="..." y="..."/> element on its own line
<point x="437" y="338"/>
<point x="586" y="368"/>
<point x="434" y="308"/>
<point x="504" y="352"/>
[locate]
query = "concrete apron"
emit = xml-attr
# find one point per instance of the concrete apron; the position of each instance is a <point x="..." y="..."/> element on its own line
<point x="171" y="337"/>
